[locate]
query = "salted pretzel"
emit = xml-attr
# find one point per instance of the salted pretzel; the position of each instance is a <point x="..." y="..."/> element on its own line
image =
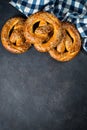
<point x="43" y="30"/>
<point x="69" y="46"/>
<point x="12" y="36"/>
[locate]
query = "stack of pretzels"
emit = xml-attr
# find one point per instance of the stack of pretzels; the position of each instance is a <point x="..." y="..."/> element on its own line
<point x="45" y="32"/>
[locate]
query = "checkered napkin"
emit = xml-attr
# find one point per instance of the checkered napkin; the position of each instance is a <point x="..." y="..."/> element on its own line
<point x="74" y="11"/>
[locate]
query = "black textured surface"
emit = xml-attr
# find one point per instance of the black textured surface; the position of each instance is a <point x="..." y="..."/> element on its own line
<point x="39" y="93"/>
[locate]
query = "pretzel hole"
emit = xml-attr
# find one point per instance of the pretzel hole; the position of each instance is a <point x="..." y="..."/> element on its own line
<point x="69" y="36"/>
<point x="36" y="25"/>
<point x="65" y="50"/>
<point x="11" y="31"/>
<point x="14" y="43"/>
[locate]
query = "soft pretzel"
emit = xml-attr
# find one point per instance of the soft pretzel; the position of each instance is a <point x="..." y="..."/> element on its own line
<point x="43" y="30"/>
<point x="12" y="36"/>
<point x="69" y="46"/>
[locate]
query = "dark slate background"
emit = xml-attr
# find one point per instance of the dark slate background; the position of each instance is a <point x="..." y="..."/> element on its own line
<point x="39" y="93"/>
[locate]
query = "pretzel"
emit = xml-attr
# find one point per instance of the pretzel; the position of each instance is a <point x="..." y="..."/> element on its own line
<point x="69" y="46"/>
<point x="43" y="30"/>
<point x="12" y="36"/>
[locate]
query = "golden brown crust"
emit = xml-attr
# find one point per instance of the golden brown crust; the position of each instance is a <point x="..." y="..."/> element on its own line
<point x="43" y="30"/>
<point x="69" y="46"/>
<point x="12" y="36"/>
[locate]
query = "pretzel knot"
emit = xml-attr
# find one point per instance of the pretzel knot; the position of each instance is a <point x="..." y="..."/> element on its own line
<point x="43" y="30"/>
<point x="69" y="46"/>
<point x="12" y="36"/>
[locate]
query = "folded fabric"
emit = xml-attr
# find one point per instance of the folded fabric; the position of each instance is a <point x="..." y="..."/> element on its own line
<point x="74" y="11"/>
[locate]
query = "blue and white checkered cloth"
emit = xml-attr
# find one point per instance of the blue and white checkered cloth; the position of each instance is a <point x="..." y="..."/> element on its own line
<point x="74" y="11"/>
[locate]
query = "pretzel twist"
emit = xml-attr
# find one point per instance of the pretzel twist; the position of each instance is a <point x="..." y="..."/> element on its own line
<point x="69" y="46"/>
<point x="43" y="30"/>
<point x="12" y="36"/>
